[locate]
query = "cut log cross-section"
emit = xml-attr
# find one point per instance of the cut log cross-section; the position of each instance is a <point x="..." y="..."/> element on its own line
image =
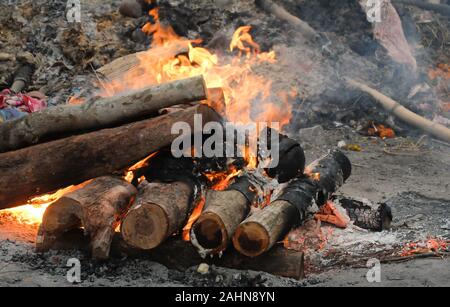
<point x="160" y="211"/>
<point x="97" y="207"/>
<point x="224" y="211"/>
<point x="44" y="168"/>
<point x="52" y="123"/>
<point x="262" y="230"/>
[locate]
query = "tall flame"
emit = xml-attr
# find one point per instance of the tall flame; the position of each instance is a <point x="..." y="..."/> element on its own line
<point x="248" y="96"/>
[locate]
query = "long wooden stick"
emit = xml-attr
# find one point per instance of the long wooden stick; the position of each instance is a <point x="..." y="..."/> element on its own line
<point x="437" y="130"/>
<point x="46" y="167"/>
<point x="56" y="122"/>
<point x="278" y="11"/>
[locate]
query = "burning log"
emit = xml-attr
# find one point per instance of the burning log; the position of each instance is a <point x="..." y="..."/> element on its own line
<point x="224" y="211"/>
<point x="97" y="208"/>
<point x="437" y="130"/>
<point x="364" y="214"/>
<point x="160" y="211"/>
<point x="259" y="233"/>
<point x="304" y="28"/>
<point x="279" y="261"/>
<point x="44" y="168"/>
<point x="131" y="64"/>
<point x="53" y="122"/>
<point x="291" y="156"/>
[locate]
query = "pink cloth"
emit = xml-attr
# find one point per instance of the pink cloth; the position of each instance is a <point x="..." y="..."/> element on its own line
<point x="21" y="102"/>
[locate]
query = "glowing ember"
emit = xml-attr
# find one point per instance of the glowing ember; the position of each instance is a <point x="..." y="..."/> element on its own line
<point x="332" y="214"/>
<point x="381" y="131"/>
<point x="432" y="245"/>
<point x="222" y="180"/>
<point x="309" y="173"/>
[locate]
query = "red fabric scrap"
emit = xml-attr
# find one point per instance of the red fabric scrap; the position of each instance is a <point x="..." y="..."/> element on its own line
<point x="20" y="101"/>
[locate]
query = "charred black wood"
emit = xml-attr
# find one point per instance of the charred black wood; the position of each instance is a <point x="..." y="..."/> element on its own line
<point x="291" y="155"/>
<point x="260" y="232"/>
<point x="365" y="214"/>
<point x="179" y="255"/>
<point x="330" y="173"/>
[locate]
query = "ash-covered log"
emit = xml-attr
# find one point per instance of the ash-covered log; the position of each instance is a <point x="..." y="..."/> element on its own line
<point x="224" y="211"/>
<point x="160" y="211"/>
<point x="97" y="208"/>
<point x="278" y="261"/>
<point x="177" y="254"/>
<point x="365" y="214"/>
<point x="60" y="121"/>
<point x="259" y="233"/>
<point x="44" y="168"/>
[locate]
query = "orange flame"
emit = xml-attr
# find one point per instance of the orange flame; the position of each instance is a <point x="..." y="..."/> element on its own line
<point x="248" y="97"/>
<point x="192" y="219"/>
<point x="309" y="173"/>
<point x="33" y="212"/>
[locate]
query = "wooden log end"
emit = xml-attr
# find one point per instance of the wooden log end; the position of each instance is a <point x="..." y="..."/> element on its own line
<point x="210" y="233"/>
<point x="145" y="226"/>
<point x="62" y="216"/>
<point x="251" y="239"/>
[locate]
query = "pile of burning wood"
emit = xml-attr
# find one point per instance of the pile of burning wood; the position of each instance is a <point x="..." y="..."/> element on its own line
<point x="133" y="196"/>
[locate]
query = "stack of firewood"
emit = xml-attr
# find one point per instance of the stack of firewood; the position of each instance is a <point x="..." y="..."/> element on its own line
<point x="70" y="144"/>
<point x="94" y="145"/>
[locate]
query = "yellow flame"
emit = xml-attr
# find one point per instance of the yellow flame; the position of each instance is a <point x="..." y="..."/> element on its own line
<point x="33" y="212"/>
<point x="248" y="97"/>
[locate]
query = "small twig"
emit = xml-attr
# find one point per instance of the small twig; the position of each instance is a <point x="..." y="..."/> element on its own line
<point x="100" y="81"/>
